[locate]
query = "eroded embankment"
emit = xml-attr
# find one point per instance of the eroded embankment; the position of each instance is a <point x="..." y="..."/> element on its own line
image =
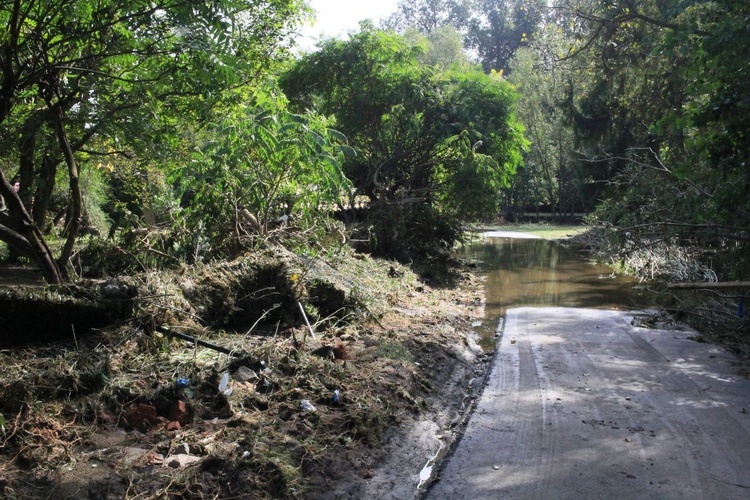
<point x="127" y="411"/>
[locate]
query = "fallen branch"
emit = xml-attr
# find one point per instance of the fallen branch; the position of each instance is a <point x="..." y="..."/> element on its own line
<point x="196" y="341"/>
<point x="710" y="286"/>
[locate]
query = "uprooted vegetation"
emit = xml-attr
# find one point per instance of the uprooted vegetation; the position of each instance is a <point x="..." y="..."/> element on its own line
<point x="284" y="411"/>
<point x="660" y="255"/>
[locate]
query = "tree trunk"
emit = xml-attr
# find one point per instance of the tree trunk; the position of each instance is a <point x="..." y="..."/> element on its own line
<point x="26" y="237"/>
<point x="43" y="192"/>
<point x="75" y="202"/>
<point x="27" y="148"/>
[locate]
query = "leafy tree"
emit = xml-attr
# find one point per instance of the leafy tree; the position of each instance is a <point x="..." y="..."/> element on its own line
<point x="492" y="29"/>
<point x="260" y="165"/>
<point x="443" y="47"/>
<point x="420" y="135"/>
<point x="375" y="87"/>
<point x="657" y="105"/>
<point x="428" y="15"/>
<point x="498" y="28"/>
<point x="75" y="70"/>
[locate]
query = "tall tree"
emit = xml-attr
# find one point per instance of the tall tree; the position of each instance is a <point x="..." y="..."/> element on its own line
<point x="420" y="134"/>
<point x="492" y="29"/>
<point x="547" y="182"/>
<point x="76" y="69"/>
<point x="497" y="28"/>
<point x="657" y="106"/>
<point x="429" y="15"/>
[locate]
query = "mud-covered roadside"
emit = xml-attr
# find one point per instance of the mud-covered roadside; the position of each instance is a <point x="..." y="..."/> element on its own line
<point x="354" y="408"/>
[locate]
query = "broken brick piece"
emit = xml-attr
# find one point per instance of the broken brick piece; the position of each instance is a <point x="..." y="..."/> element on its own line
<point x="179" y="413"/>
<point x="141" y="417"/>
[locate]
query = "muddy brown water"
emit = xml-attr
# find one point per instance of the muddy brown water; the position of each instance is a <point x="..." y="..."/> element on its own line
<point x="522" y="271"/>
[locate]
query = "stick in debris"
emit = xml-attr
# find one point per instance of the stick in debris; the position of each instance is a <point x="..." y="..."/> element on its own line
<point x="304" y="316"/>
<point x="75" y="339"/>
<point x="196" y="341"/>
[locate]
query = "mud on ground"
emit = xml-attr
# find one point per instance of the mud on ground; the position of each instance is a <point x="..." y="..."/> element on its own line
<point x="354" y="409"/>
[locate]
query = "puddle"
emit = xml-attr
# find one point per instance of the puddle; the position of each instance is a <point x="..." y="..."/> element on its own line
<point x="536" y="272"/>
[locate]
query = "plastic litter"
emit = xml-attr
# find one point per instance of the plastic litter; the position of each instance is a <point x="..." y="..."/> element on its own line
<point x="306" y="405"/>
<point x="224" y="384"/>
<point x="336" y="396"/>
<point x="245" y="374"/>
<point x="182" y="383"/>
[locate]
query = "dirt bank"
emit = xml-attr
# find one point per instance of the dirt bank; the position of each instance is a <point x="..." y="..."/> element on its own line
<point x="354" y="408"/>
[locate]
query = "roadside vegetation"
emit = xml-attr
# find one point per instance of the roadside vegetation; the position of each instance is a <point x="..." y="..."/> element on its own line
<point x="178" y="170"/>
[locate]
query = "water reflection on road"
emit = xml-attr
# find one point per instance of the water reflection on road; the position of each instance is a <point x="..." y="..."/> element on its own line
<point x="536" y="272"/>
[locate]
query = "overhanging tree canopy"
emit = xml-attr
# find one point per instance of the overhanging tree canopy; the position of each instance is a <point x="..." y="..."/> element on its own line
<point x="73" y="70"/>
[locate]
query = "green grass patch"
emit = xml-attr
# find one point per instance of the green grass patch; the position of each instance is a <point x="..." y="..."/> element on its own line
<point x="546" y="231"/>
<point x="395" y="351"/>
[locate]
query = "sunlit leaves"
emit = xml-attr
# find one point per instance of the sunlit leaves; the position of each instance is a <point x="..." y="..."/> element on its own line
<point x="269" y="161"/>
<point x="135" y="73"/>
<point x="404" y="118"/>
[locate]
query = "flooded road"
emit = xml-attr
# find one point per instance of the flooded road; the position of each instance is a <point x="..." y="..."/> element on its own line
<point x="581" y="403"/>
<point x="535" y="272"/>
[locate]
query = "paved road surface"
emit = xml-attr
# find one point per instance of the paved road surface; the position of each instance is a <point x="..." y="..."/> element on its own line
<point x="582" y="405"/>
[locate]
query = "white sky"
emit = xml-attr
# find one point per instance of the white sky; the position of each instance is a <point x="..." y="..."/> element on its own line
<point x="335" y="18"/>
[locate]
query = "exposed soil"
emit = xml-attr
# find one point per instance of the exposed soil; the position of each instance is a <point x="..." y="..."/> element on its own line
<point x="130" y="412"/>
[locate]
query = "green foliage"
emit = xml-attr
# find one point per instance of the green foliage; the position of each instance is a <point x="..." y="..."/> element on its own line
<point x="260" y="165"/>
<point x="119" y="75"/>
<point x="425" y="138"/>
<point x="638" y="108"/>
<point x="395" y="351"/>
<point x="657" y="103"/>
<point x="95" y="188"/>
<point x="491" y="29"/>
<point x="547" y="181"/>
<point x="443" y="47"/>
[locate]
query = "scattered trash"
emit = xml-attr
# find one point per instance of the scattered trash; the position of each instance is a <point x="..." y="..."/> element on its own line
<point x="496" y="467"/>
<point x="224" y="385"/>
<point x="181" y="383"/>
<point x="306" y="405"/>
<point x="180" y="460"/>
<point x="476" y="323"/>
<point x="245" y="374"/>
<point x="336" y="396"/>
<point x="425" y="474"/>
<point x="307" y="322"/>
<point x="154" y="458"/>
